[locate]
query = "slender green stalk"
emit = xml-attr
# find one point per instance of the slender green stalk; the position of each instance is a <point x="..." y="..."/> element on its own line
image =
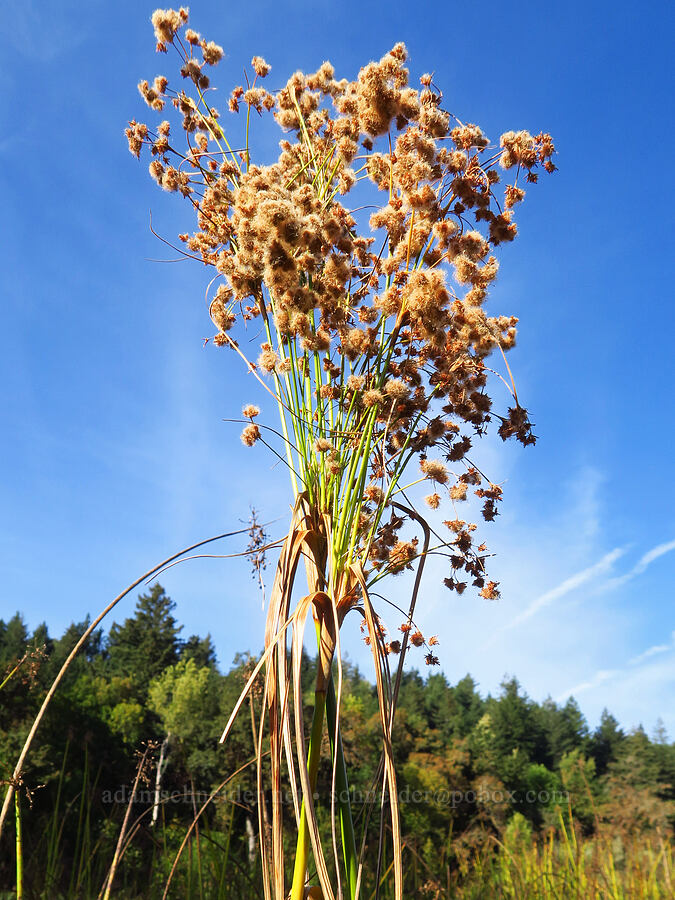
<point x="359" y="461"/>
<point x="200" y="880"/>
<point x="282" y="416"/>
<point x="19" y="846"/>
<point x="13" y="671"/>
<point x="226" y="855"/>
<point x="342" y="789"/>
<point x="313" y="757"/>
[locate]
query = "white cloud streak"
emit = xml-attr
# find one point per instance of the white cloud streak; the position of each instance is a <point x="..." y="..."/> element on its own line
<point x="652" y="651"/>
<point x="599" y="678"/>
<point x="570" y="584"/>
<point x="641" y="565"/>
<point x="574" y="581"/>
<point x="604" y="675"/>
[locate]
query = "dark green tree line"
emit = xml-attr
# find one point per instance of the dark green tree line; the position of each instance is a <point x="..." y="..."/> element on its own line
<point x="467" y="763"/>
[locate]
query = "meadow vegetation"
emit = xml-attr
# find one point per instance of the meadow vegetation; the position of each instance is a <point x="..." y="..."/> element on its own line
<point x="499" y="796"/>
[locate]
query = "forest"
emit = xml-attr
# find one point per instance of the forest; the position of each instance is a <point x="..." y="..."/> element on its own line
<point x="129" y="753"/>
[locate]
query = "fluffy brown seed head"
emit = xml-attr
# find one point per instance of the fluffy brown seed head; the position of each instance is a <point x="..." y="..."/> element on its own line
<point x="490" y="591"/>
<point x="260" y="67"/>
<point x="166" y="23"/>
<point x="250" y="435"/>
<point x="397" y="389"/>
<point x="374" y="493"/>
<point x="458" y="491"/>
<point x="372" y="397"/>
<point x="212" y="53"/>
<point x="288" y="248"/>
<point x="435" y="470"/>
<point x="401" y="555"/>
<point x="268" y="360"/>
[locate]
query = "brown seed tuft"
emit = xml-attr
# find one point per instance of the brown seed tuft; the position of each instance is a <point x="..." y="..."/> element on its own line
<point x="250" y="435"/>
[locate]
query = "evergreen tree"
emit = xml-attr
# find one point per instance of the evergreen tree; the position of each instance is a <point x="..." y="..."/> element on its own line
<point x="146" y="644"/>
<point x="577" y="774"/>
<point x="606" y="741"/>
<point x="468" y="708"/>
<point x="517" y="723"/>
<point x="201" y="650"/>
<point x="633" y="795"/>
<point x="13" y="640"/>
<point x="59" y="650"/>
<point x="565" y="727"/>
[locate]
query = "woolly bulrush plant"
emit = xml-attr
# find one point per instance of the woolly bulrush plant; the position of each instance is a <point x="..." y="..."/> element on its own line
<point x="375" y="352"/>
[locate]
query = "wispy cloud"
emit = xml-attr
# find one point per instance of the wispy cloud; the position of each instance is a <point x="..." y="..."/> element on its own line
<point x="566" y="587"/>
<point x="652" y="651"/>
<point x="599" y="678"/>
<point x="645" y="560"/>
<point x="604" y="675"/>
<point x="570" y="584"/>
<point x="585" y="575"/>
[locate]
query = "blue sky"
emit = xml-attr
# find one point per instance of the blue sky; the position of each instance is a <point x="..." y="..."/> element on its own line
<point x="114" y="452"/>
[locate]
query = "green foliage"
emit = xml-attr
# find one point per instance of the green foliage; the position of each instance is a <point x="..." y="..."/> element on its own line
<point x="578" y="778"/>
<point x="13" y="640"/>
<point x="517" y="834"/>
<point x="475" y="773"/>
<point x="200" y="649"/>
<point x="143" y="646"/>
<point x="185" y="697"/>
<point x="605" y="742"/>
<point x="517" y="724"/>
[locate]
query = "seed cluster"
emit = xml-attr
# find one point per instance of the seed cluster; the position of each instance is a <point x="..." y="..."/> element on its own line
<point x="366" y="253"/>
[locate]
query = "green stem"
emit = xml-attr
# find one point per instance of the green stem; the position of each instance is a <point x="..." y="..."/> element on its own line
<point x="282" y="412"/>
<point x="19" y="847"/>
<point x="342" y="788"/>
<point x="302" y="848"/>
<point x="14" y="671"/>
<point x="327" y="699"/>
<point x="347" y="511"/>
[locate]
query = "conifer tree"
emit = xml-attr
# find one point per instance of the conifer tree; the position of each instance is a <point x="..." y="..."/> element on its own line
<point x="606" y="741"/>
<point x="143" y="646"/>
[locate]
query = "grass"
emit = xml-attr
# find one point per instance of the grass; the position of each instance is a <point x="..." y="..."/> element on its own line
<point x="557" y="864"/>
<point x="562" y="866"/>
